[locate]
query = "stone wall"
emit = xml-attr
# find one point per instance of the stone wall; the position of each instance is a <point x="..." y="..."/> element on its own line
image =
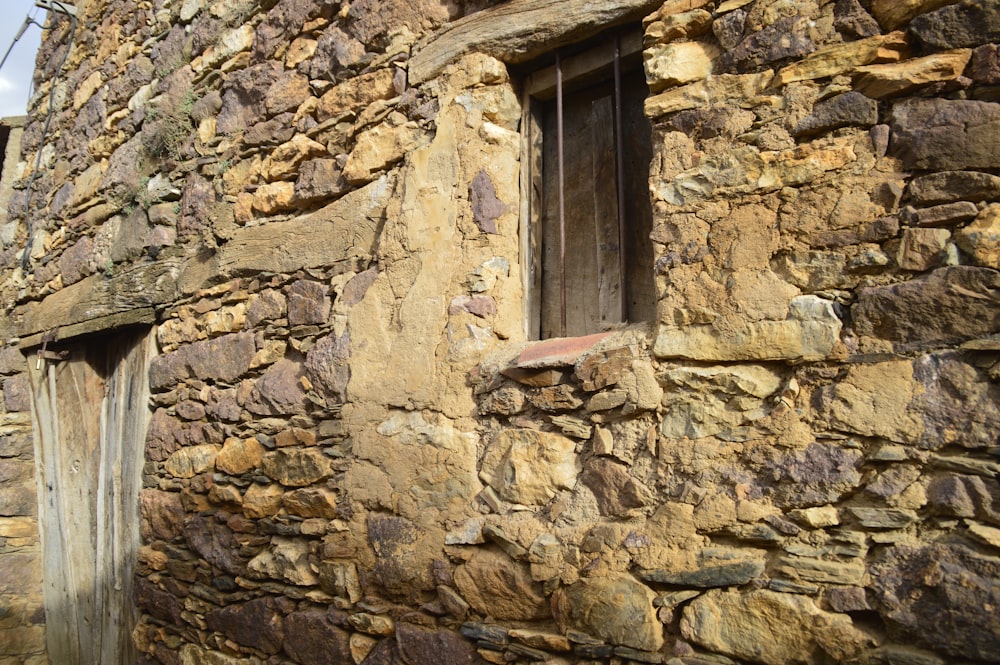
<point x="355" y="455"/>
<point x="22" y="617"/>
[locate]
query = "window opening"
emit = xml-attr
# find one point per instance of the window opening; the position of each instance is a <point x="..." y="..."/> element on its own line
<point x="587" y="148"/>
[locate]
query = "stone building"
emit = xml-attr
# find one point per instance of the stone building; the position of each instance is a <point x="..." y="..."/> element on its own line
<point x="568" y="331"/>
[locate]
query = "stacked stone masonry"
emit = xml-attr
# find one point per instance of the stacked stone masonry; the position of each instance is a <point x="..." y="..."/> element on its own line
<point x="356" y="456"/>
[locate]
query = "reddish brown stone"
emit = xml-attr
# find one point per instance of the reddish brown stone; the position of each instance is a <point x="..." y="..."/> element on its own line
<point x="420" y="646"/>
<point x="308" y="302"/>
<point x="17" y="393"/>
<point x="486" y="207"/>
<point x="158" y="603"/>
<point x="558" y="352"/>
<point x="949" y="305"/>
<point x="327" y="366"/>
<point x="162" y="515"/>
<point x="311" y="638"/>
<point x="279" y="391"/>
<point x="616" y="491"/>
<point x="256" y="624"/>
<point x="224" y="358"/>
<point x="214" y="542"/>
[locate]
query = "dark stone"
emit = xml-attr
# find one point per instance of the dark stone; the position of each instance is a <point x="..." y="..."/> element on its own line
<point x="222" y="405"/>
<point x="420" y="646"/>
<point x="190" y="409"/>
<point x="16" y="444"/>
<point x="957" y="495"/>
<point x="877" y="231"/>
<point x="616" y="491"/>
<point x="482" y="631"/>
<point x="852" y="21"/>
<point x="164" y="436"/>
<point x="215" y="544"/>
<point x="20" y="575"/>
<point x="18" y="500"/>
<point x="243" y="96"/>
<point x="819" y="474"/>
<point x="158" y="603"/>
<point x="392" y="539"/>
<point x="11" y="360"/>
<point x="267" y="307"/>
<point x="320" y="179"/>
<point x="120" y="178"/>
<point x="162" y="515"/>
<point x="207" y="107"/>
<point x="224" y="358"/>
<point x="604" y="369"/>
<point x="281" y="25"/>
<point x="733" y="573"/>
<point x="328" y="368"/>
<point x="278" y="391"/>
<point x="729" y="28"/>
<point x="944" y="134"/>
<point x="308" y="302"/>
<point x="311" y="638"/>
<point x="958" y="405"/>
<point x="985" y="65"/>
<point x="963" y="25"/>
<point x="372" y="21"/>
<point x="197" y="200"/>
<point x="486" y="207"/>
<point x="17" y="393"/>
<point x="948" y="306"/>
<point x="946" y="214"/>
<point x="76" y="262"/>
<point x="938" y="595"/>
<point x="384" y="653"/>
<point x="785" y="38"/>
<point x="954" y="186"/>
<point x="256" y="624"/>
<point x="271" y="132"/>
<point x="335" y="51"/>
<point x="138" y="72"/>
<point x="356" y="288"/>
<point x="846" y="110"/>
<point x="15" y="471"/>
<point x="847" y="599"/>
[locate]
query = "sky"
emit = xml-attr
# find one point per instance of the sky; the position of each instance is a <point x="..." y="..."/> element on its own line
<point x="15" y="76"/>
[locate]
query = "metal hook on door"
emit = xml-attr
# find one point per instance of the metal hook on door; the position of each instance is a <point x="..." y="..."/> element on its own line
<point x="45" y="354"/>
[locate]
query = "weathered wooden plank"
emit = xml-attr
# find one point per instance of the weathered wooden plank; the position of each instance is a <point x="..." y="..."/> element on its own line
<point x="520" y="30"/>
<point x="134" y="288"/>
<point x="110" y="322"/>
<point x="345" y="230"/>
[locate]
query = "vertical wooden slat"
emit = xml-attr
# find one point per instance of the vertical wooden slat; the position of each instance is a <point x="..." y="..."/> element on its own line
<point x="608" y="287"/>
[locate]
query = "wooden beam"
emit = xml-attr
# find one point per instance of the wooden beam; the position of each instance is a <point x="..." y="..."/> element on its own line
<point x="593" y="64"/>
<point x="520" y="30"/>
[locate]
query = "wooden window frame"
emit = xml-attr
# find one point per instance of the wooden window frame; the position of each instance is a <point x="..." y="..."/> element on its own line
<point x="597" y="62"/>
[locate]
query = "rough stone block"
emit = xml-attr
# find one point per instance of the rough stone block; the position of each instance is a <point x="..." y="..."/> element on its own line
<point x="967" y="24"/>
<point x="943" y="134"/>
<point x="949" y="305"/>
<point x="935" y="595"/>
<point x="848" y="109"/>
<point x="771" y="628"/>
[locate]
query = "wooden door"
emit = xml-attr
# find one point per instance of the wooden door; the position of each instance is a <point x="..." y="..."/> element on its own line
<point x="90" y="414"/>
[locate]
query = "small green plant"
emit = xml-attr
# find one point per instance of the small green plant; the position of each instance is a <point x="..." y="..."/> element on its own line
<point x="168" y="126"/>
